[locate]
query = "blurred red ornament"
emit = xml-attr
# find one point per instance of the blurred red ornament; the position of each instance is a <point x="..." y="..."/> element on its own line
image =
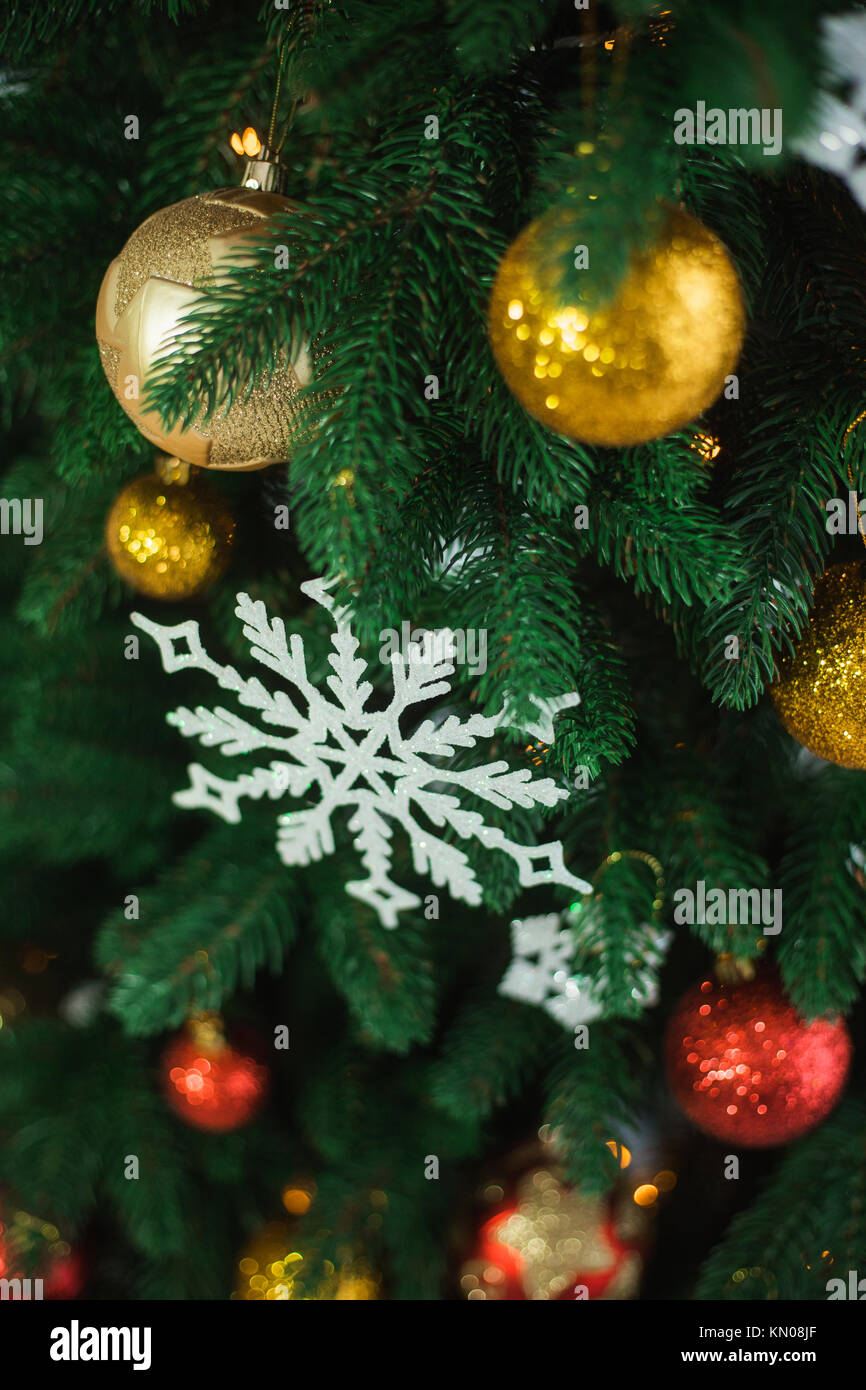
<point x="552" y="1242"/>
<point x="747" y="1068"/>
<point x="32" y="1249"/>
<point x="208" y="1082"/>
<point x="64" y="1276"/>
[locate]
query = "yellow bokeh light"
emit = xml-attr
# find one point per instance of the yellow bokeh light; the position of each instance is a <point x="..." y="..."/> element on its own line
<point x="296" y="1200"/>
<point x="706" y="445"/>
<point x="248" y="143"/>
<point x="620" y="1152"/>
<point x="646" y="1194"/>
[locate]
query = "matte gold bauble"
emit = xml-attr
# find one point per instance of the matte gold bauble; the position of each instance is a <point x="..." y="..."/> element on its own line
<point x="634" y="367"/>
<point x="169" y="540"/>
<point x="148" y="290"/>
<point x="820" y="691"/>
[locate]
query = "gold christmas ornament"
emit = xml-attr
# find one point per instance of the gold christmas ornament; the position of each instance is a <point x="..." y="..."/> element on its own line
<point x="152" y="285"/>
<point x="274" y="1269"/>
<point x="170" y="535"/>
<point x="630" y="369"/>
<point x="820" y="691"/>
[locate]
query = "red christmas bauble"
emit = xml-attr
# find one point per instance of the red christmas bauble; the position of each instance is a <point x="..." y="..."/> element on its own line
<point x="551" y="1242"/>
<point x="211" y="1084"/>
<point x="64" y="1277"/>
<point x="59" y="1267"/>
<point x="747" y="1067"/>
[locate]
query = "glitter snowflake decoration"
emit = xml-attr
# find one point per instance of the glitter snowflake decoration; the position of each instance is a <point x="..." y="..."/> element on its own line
<point x="359" y="759"/>
<point x="542" y="970"/>
<point x="837" y="138"/>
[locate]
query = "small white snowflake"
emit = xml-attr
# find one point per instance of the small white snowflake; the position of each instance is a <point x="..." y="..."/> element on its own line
<point x="856" y="863"/>
<point x="836" y="138"/>
<point x="360" y="759"/>
<point x="541" y="970"/>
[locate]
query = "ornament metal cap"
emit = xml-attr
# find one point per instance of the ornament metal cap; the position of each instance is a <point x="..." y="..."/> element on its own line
<point x="265" y="171"/>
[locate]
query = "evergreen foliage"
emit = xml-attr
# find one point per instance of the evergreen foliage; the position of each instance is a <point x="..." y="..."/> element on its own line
<point x="454" y="508"/>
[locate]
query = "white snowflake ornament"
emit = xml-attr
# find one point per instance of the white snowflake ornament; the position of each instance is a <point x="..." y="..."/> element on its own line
<point x="836" y="140"/>
<point x="541" y="970"/>
<point x="856" y="862"/>
<point x="359" y="759"/>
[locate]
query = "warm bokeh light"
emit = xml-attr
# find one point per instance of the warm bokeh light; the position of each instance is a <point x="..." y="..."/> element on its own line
<point x="665" y="1181"/>
<point x="706" y="445"/>
<point x="646" y="1194"/>
<point x="296" y="1200"/>
<point x="248" y="143"/>
<point x="274" y="1270"/>
<point x="620" y="1152"/>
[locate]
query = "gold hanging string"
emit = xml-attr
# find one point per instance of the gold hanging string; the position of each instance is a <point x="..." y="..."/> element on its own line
<point x="287" y="127"/>
<point x="642" y="857"/>
<point x="845" y="438"/>
<point x="588" y="68"/>
<point x="621" y="43"/>
<point x="287" y="43"/>
<point x="620" y="46"/>
<point x="282" y="53"/>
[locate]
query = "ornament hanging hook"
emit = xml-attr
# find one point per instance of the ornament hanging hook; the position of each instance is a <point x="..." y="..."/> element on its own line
<point x="264" y="169"/>
<point x="642" y="857"/>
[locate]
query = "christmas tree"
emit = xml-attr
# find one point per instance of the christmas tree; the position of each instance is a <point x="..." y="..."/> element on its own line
<point x="467" y="461"/>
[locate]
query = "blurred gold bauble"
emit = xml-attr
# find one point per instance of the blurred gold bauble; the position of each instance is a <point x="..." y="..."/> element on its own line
<point x="146" y="292"/>
<point x="169" y="539"/>
<point x="274" y="1269"/>
<point x="630" y="369"/>
<point x="820" y="691"/>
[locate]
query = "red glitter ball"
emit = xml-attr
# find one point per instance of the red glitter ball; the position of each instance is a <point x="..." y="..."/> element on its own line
<point x="218" y="1088"/>
<point x="752" y="1070"/>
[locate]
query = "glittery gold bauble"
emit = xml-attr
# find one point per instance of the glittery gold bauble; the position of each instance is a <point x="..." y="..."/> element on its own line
<point x="148" y="290"/>
<point x="169" y="540"/>
<point x="274" y="1268"/>
<point x="820" y="691"/>
<point x="630" y="369"/>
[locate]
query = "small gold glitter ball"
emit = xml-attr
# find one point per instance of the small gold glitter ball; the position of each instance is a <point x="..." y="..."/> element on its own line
<point x="169" y="540"/>
<point x="634" y="367"/>
<point x="820" y="691"/>
<point x="273" y="1269"/>
<point x="147" y="291"/>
